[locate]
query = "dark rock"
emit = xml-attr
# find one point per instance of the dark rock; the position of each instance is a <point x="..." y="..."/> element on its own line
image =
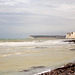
<point x="24" y="70"/>
<point x="70" y="41"/>
<point x="35" y="67"/>
<point x="32" y="68"/>
<point x="72" y="49"/>
<point x="68" y="69"/>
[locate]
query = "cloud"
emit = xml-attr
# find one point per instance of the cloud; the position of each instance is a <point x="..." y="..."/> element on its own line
<point x="35" y="24"/>
<point x="37" y="16"/>
<point x="61" y="8"/>
<point x="12" y="2"/>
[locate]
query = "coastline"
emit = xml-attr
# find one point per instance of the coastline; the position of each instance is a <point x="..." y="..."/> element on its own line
<point x="27" y="57"/>
<point x="68" y="69"/>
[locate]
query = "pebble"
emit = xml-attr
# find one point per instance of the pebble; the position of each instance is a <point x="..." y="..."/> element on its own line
<point x="68" y="69"/>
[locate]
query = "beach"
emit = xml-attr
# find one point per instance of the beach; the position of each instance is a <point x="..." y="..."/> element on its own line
<point x="37" y="37"/>
<point x="68" y="69"/>
<point x="30" y="57"/>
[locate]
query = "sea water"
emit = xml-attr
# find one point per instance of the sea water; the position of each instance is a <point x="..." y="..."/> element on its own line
<point x="29" y="57"/>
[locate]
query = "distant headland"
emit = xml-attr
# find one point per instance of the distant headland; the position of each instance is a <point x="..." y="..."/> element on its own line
<point x="46" y="37"/>
<point x="70" y="35"/>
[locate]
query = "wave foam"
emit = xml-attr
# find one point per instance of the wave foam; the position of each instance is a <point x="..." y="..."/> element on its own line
<point x="33" y="43"/>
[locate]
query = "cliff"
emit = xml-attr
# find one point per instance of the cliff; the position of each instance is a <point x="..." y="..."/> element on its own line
<point x="70" y="35"/>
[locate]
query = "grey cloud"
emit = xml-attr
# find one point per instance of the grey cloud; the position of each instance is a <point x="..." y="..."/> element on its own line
<point x="12" y="2"/>
<point x="36" y="17"/>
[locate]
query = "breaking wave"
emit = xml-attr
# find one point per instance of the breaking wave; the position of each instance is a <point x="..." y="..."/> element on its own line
<point x="33" y="43"/>
<point x="17" y="48"/>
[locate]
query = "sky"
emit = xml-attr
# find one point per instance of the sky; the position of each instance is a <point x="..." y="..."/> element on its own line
<point x="21" y="18"/>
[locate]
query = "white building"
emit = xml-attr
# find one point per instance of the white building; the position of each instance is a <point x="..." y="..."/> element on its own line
<point x="70" y="35"/>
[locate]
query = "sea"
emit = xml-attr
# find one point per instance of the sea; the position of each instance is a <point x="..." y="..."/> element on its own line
<point x="33" y="56"/>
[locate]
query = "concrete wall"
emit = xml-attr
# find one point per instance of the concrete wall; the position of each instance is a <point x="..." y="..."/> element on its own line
<point x="70" y="35"/>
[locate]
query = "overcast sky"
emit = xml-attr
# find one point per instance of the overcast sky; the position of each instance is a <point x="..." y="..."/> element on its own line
<point x="20" y="18"/>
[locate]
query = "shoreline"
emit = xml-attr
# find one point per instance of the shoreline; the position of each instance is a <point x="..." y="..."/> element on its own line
<point x="68" y="69"/>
